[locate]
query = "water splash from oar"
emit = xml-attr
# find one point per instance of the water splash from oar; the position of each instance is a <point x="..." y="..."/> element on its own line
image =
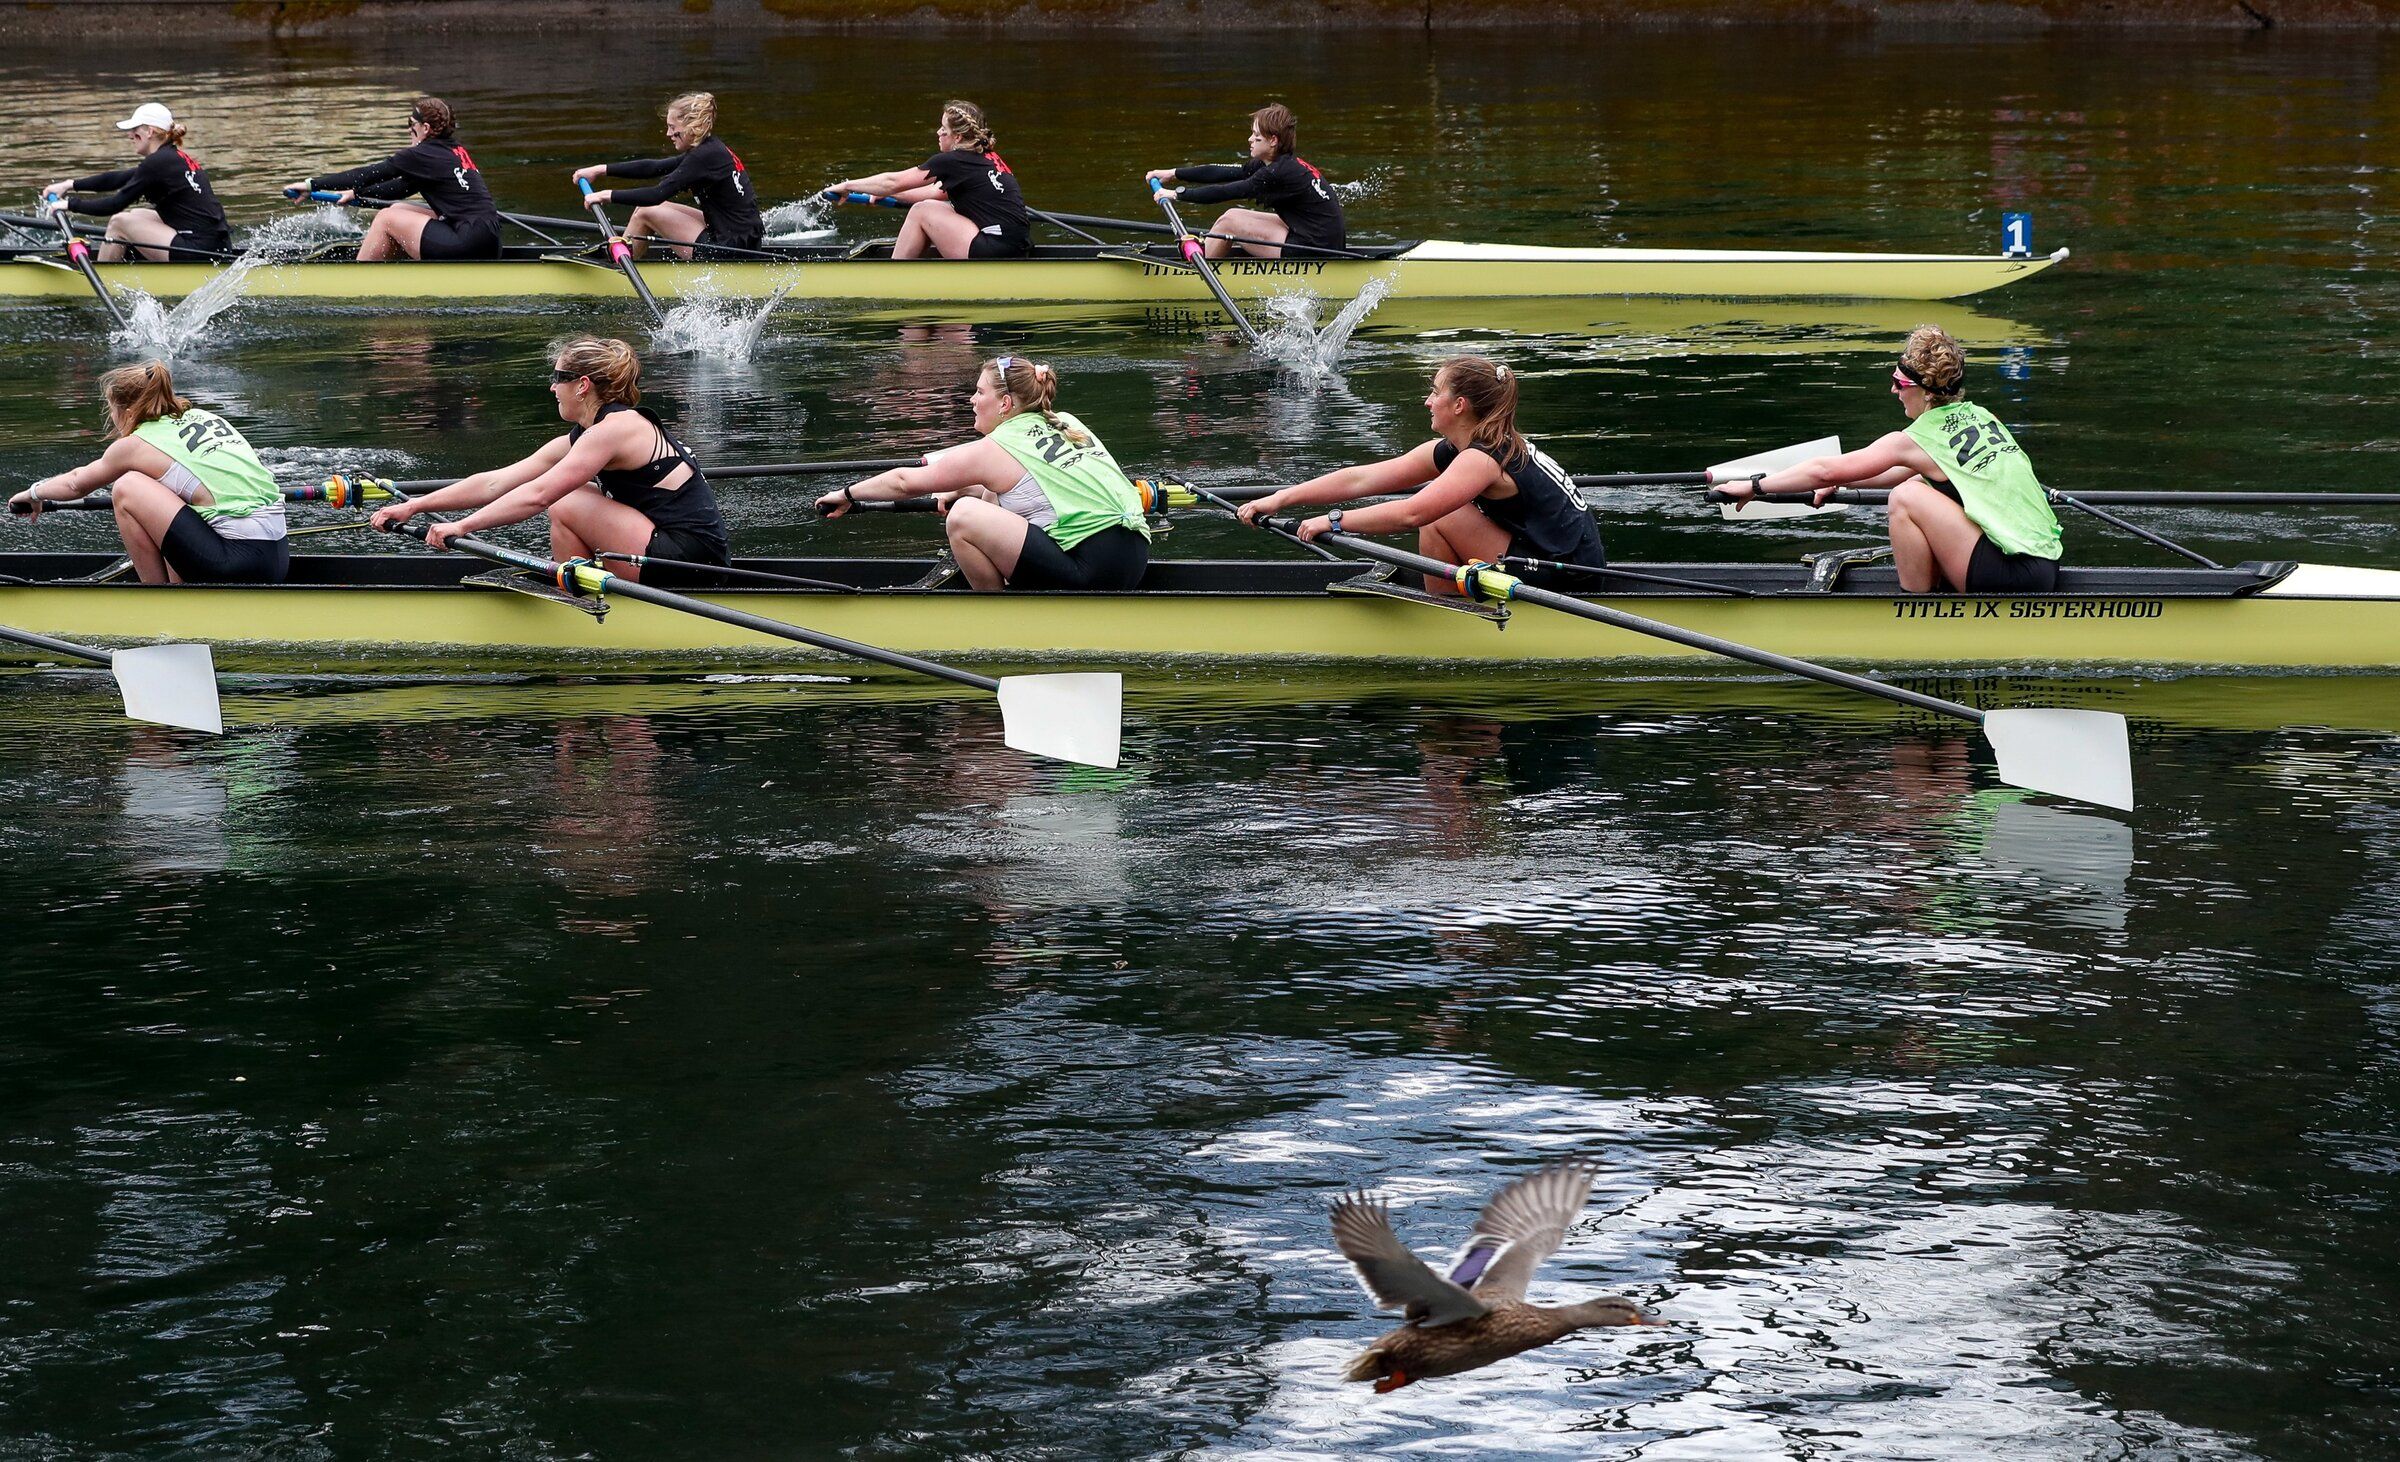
<point x="802" y="218"/>
<point x="1294" y="341"/>
<point x="706" y="323"/>
<point x="153" y="328"/>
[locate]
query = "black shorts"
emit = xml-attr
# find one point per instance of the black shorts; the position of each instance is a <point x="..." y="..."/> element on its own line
<point x="1113" y="558"/>
<point x="1519" y="546"/>
<point x="688" y="548"/>
<point x="709" y="247"/>
<point x="198" y="556"/>
<point x="191" y="247"/>
<point x="445" y="240"/>
<point x="1990" y="571"/>
<point x="1002" y="246"/>
<point x="1337" y="243"/>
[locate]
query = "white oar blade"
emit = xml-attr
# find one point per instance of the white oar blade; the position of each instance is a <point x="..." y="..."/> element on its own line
<point x="1077" y="718"/>
<point x="1776" y="461"/>
<point x="172" y="685"/>
<point x="2079" y="754"/>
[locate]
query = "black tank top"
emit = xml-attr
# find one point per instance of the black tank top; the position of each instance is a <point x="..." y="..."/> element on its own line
<point x="690" y="509"/>
<point x="1547" y="517"/>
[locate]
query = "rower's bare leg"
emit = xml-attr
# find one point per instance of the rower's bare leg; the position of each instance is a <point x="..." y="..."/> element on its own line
<point x="145" y="507"/>
<point x="677" y="223"/>
<point x="588" y="522"/>
<point x="934" y="222"/>
<point x="399" y="229"/>
<point x="1460" y="536"/>
<point x="1933" y="539"/>
<point x="987" y="540"/>
<point x="1261" y="235"/>
<point x="140" y="229"/>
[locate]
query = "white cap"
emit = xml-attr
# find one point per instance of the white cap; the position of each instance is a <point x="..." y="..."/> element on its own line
<point x="148" y="114"/>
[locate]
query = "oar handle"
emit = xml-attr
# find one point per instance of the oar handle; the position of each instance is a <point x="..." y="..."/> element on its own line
<point x="863" y="200"/>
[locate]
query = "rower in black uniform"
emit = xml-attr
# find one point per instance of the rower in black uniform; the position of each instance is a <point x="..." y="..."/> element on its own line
<point x="184" y="222"/>
<point x="963" y="201"/>
<point x="1488" y="493"/>
<point x="1305" y="210"/>
<point x="463" y="222"/>
<point x="726" y="222"/>
<point x="616" y="482"/>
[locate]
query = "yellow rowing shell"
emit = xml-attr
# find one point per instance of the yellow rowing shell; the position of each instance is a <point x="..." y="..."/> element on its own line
<point x="1433" y="270"/>
<point x="389" y="612"/>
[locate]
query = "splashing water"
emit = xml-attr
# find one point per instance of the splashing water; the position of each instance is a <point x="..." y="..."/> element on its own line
<point x="705" y="323"/>
<point x="802" y="218"/>
<point x="152" y="328"/>
<point x="1293" y="340"/>
<point x="1369" y="186"/>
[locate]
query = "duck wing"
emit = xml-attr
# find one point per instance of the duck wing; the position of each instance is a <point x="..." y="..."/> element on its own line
<point x="1523" y="1224"/>
<point x="1393" y="1276"/>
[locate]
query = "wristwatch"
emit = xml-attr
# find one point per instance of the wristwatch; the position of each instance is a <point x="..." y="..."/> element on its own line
<point x="1333" y="521"/>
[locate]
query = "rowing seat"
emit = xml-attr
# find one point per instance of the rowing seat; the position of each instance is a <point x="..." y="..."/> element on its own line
<point x="534" y="586"/>
<point x="1382" y="582"/>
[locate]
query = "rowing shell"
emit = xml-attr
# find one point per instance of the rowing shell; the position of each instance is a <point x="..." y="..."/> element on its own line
<point x="1081" y="273"/>
<point x="393" y="612"/>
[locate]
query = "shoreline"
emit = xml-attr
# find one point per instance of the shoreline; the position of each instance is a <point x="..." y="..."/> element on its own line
<point x="57" y="19"/>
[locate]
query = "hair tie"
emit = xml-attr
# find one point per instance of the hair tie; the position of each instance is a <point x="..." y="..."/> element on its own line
<point x="1500" y="370"/>
<point x="1002" y="363"/>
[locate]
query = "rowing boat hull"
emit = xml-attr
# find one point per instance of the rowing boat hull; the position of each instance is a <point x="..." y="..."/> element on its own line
<point x="1427" y="271"/>
<point x="2312" y="618"/>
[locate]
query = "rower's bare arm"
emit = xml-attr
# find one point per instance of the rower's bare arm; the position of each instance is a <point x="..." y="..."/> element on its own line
<point x="1371" y="479"/>
<point x="887" y="183"/>
<point x="1895" y="455"/>
<point x="1465" y="480"/>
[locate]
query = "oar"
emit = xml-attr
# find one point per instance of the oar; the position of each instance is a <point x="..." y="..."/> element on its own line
<point x="81" y="253"/>
<point x="2084" y="755"/>
<point x="1193" y="255"/>
<point x="1076" y="717"/>
<point x="622" y="253"/>
<point x="172" y="685"/>
<point x="1088" y="220"/>
<point x="46" y="222"/>
<point x="526" y="221"/>
<point x="337" y="492"/>
<point x="862" y="200"/>
<point x="1875" y="497"/>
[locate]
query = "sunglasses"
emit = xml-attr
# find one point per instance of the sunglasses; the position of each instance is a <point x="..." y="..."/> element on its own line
<point x="1901" y="382"/>
<point x="560" y="378"/>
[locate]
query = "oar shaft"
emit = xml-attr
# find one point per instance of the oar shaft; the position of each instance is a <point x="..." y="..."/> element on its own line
<point x="1673" y="634"/>
<point x="1198" y="260"/>
<point x="1135" y="225"/>
<point x="28" y="220"/>
<point x="598" y="580"/>
<point x="55" y="647"/>
<point x="81" y="253"/>
<point x="622" y="253"/>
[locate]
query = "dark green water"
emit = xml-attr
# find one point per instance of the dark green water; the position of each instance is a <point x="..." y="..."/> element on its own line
<point x="548" y="1068"/>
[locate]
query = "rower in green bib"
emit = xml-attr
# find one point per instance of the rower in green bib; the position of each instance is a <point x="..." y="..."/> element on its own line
<point x="1037" y="503"/>
<point x="193" y="502"/>
<point x="1967" y="512"/>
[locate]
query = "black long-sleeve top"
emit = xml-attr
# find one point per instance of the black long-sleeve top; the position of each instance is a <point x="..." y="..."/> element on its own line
<point x="169" y="181"/>
<point x="1297" y="193"/>
<point x="437" y="169"/>
<point x="714" y="177"/>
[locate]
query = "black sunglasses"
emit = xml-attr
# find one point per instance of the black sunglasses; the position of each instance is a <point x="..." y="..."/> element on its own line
<point x="563" y="376"/>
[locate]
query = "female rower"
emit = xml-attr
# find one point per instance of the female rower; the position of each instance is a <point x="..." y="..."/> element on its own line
<point x="1037" y="503"/>
<point x="184" y="222"/>
<point x="457" y="220"/>
<point x="616" y="482"/>
<point x="1306" y="213"/>
<point x="193" y="502"/>
<point x="1967" y="513"/>
<point x="725" y="223"/>
<point x="1488" y="493"/>
<point x="963" y="200"/>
